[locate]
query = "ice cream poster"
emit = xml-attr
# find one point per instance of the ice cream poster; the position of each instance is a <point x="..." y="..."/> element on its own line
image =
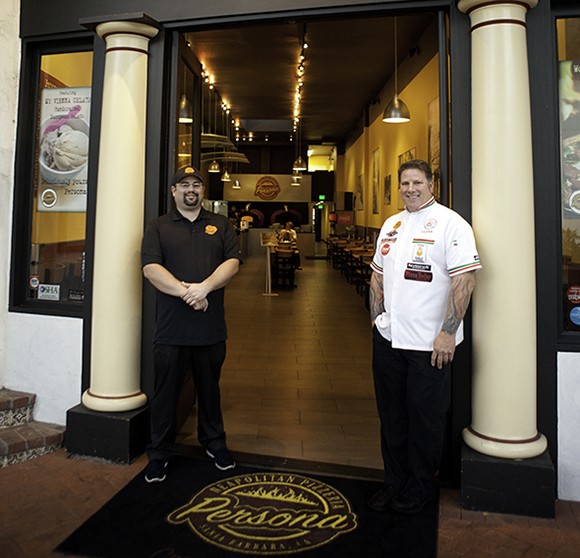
<point x="63" y="149"/>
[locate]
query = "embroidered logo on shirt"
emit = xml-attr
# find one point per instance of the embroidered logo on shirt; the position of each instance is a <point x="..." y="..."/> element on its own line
<point x="210" y="229"/>
<point x="430" y="224"/>
<point x="419" y="267"/>
<point x="420" y="247"/>
<point x="385" y="248"/>
<point x="415" y="275"/>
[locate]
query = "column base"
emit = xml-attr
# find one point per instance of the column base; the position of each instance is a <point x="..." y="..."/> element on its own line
<point x="508" y="449"/>
<point x="520" y="487"/>
<point x="116" y="404"/>
<point x="118" y="437"/>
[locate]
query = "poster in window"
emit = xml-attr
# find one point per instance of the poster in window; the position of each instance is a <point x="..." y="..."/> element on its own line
<point x="63" y="149"/>
<point x="569" y="89"/>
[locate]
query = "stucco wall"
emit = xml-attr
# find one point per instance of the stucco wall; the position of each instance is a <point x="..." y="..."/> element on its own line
<point x="38" y="354"/>
<point x="9" y="68"/>
<point x="44" y="357"/>
<point x="568" y="421"/>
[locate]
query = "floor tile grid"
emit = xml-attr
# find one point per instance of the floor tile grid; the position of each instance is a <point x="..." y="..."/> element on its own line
<point x="297" y="380"/>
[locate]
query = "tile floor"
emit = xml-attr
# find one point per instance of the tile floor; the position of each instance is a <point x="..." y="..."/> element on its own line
<point x="296" y="384"/>
<point x="297" y="380"/>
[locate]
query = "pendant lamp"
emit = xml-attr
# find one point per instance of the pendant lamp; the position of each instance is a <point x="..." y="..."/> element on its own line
<point x="226" y="176"/>
<point x="296" y="178"/>
<point x="185" y="105"/>
<point x="396" y="111"/>
<point x="185" y="110"/>
<point x="299" y="164"/>
<point x="214" y="167"/>
<point x="236" y="185"/>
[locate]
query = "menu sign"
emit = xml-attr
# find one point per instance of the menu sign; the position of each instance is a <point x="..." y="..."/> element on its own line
<point x="63" y="149"/>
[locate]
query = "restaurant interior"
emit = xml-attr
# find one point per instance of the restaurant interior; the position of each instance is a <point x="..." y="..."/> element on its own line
<point x="306" y="121"/>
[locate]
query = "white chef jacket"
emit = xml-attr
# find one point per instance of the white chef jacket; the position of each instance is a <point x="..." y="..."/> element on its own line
<point x="417" y="254"/>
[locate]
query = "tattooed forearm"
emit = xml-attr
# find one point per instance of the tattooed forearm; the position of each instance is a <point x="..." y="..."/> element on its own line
<point x="459" y="296"/>
<point x="376" y="296"/>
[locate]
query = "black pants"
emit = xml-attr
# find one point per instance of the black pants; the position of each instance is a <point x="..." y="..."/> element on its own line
<point x="412" y="401"/>
<point x="171" y="365"/>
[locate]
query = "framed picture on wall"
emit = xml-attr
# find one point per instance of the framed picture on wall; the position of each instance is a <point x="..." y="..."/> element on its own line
<point x="359" y="202"/>
<point x="408" y="156"/>
<point x="376" y="180"/>
<point x="433" y="144"/>
<point x="387" y="197"/>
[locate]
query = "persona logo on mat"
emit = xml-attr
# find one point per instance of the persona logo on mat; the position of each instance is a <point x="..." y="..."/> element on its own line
<point x="267" y="513"/>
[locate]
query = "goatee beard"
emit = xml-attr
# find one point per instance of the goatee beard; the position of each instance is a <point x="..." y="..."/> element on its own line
<point x="191" y="202"/>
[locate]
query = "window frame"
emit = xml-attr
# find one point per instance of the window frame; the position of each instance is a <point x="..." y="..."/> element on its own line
<point x="29" y="91"/>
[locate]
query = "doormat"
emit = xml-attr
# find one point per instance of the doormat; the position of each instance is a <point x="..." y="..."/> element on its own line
<point x="201" y="512"/>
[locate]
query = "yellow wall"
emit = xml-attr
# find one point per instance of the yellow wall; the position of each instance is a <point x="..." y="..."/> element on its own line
<point x="391" y="140"/>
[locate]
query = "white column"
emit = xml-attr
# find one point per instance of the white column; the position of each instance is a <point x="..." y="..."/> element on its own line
<point x="504" y="304"/>
<point x="117" y="281"/>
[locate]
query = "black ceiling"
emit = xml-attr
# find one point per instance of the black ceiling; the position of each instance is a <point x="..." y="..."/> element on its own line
<point x="347" y="63"/>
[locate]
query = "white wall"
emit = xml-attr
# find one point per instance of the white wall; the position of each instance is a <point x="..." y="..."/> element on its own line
<point x="568" y="425"/>
<point x="9" y="68"/>
<point x="38" y="354"/>
<point x="44" y="355"/>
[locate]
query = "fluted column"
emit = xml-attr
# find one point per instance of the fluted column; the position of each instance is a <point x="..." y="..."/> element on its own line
<point x="504" y="304"/>
<point x="116" y="314"/>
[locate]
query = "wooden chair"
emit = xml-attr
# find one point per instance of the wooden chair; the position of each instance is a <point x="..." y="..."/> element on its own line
<point x="283" y="269"/>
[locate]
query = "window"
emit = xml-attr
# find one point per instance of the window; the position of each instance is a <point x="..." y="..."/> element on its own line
<point x="568" y="33"/>
<point x="52" y="158"/>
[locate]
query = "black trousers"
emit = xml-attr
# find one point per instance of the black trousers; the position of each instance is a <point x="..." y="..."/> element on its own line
<point x="171" y="365"/>
<point x="412" y="400"/>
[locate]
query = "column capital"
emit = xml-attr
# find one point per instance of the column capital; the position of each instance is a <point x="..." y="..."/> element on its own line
<point x="128" y="27"/>
<point x="467" y="6"/>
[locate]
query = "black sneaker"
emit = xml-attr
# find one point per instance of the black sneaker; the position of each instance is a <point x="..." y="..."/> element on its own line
<point x="223" y="459"/>
<point x="380" y="501"/>
<point x="155" y="471"/>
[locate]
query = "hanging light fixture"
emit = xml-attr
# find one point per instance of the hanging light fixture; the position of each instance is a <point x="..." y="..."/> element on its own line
<point x="226" y="176"/>
<point x="214" y="165"/>
<point x="236" y="185"/>
<point x="396" y="111"/>
<point x="185" y="110"/>
<point x="185" y="105"/>
<point x="299" y="164"/>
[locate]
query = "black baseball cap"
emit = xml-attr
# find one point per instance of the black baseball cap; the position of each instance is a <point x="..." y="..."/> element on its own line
<point x="186" y="171"/>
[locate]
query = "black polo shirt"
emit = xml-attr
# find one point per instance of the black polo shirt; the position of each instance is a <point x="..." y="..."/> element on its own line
<point x="191" y="252"/>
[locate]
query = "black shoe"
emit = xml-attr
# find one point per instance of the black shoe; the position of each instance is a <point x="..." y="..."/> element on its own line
<point x="222" y="458"/>
<point x="404" y="503"/>
<point x="155" y="471"/>
<point x="379" y="502"/>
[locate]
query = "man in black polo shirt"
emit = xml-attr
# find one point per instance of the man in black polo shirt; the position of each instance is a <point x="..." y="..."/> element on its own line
<point x="189" y="255"/>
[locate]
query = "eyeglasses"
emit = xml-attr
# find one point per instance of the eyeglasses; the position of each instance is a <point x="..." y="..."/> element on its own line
<point x="195" y="184"/>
